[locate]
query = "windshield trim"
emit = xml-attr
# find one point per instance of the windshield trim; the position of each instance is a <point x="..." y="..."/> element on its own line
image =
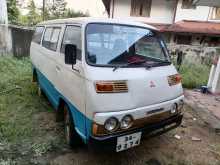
<point x="123" y="66"/>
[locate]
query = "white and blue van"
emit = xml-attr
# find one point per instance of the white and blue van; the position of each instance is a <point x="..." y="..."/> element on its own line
<point x="110" y="81"/>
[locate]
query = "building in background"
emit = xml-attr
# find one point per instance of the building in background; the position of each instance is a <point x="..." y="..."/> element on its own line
<point x="182" y="21"/>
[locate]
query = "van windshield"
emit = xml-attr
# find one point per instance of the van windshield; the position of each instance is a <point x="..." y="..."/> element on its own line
<point x="120" y="45"/>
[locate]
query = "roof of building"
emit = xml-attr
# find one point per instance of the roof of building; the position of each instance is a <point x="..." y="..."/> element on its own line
<point x="200" y="27"/>
<point x="159" y="26"/>
<point x="87" y="20"/>
<point x="185" y="26"/>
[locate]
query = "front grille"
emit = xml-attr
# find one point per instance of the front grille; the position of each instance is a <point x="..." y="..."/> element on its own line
<point x="120" y="86"/>
<point x="155" y="111"/>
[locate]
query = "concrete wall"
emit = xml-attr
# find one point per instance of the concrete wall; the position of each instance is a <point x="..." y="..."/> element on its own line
<point x="200" y="54"/>
<point x="161" y="11"/>
<point x="5" y="40"/>
<point x="15" y="40"/>
<point x="201" y="13"/>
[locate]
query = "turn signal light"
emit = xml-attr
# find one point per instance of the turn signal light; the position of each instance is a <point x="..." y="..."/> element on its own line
<point x="111" y="86"/>
<point x="174" y="79"/>
<point x="104" y="87"/>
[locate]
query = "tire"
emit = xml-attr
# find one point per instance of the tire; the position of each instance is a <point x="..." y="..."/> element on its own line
<point x="39" y="90"/>
<point x="71" y="136"/>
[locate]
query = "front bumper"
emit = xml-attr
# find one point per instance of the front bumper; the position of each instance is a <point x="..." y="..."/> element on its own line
<point x="108" y="143"/>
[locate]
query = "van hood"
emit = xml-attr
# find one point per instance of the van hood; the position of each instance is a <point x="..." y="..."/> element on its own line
<point x="145" y="87"/>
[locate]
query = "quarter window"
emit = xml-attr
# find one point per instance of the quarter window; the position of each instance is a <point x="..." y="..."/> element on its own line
<point x="51" y="38"/>
<point x="73" y="36"/>
<point x="38" y="34"/>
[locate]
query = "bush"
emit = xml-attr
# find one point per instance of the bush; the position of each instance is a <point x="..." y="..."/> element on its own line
<point x="194" y="74"/>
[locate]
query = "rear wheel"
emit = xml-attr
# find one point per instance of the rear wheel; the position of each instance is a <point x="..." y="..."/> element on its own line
<point x="71" y="136"/>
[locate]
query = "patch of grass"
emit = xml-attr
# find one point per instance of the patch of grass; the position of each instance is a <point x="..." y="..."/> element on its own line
<point x="13" y="72"/>
<point x="7" y="162"/>
<point x="194" y="74"/>
<point x="15" y="104"/>
<point x="18" y="106"/>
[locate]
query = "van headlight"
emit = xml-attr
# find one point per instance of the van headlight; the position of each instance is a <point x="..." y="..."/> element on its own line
<point x="126" y="122"/>
<point x="111" y="124"/>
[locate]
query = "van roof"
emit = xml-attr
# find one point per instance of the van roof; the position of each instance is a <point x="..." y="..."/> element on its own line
<point x="87" y="20"/>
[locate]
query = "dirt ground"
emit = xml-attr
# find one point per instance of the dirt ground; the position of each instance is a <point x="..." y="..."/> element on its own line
<point x="29" y="134"/>
<point x="165" y="149"/>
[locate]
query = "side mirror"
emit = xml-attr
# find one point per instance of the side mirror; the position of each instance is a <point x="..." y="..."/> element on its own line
<point x="70" y="54"/>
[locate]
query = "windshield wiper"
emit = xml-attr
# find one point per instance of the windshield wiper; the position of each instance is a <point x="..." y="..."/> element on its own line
<point x="129" y="63"/>
<point x="147" y="66"/>
<point x="157" y="63"/>
<point x="119" y="66"/>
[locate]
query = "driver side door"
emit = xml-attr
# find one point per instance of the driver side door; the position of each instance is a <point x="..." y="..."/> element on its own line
<point x="70" y="81"/>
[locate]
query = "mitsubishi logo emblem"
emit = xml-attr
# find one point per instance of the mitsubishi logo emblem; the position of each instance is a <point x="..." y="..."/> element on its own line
<point x="152" y="85"/>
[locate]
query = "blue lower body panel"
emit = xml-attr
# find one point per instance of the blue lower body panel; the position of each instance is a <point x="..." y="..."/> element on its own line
<point x="81" y="122"/>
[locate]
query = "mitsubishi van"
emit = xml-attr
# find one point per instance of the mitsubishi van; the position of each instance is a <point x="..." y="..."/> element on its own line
<point x="110" y="81"/>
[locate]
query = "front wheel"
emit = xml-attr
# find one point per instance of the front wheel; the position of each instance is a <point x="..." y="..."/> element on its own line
<point x="71" y="136"/>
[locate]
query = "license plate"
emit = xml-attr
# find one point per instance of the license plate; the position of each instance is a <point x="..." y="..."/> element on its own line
<point x="128" y="141"/>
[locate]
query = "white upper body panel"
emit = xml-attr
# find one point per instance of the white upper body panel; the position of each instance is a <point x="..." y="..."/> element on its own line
<point x="86" y="20"/>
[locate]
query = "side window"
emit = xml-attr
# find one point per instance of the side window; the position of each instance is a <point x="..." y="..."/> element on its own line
<point x="73" y="36"/>
<point x="51" y="37"/>
<point x="47" y="37"/>
<point x="38" y="34"/>
<point x="54" y="39"/>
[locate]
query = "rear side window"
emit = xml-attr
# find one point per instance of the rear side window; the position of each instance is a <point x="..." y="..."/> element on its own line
<point x="73" y="36"/>
<point x="51" y="37"/>
<point x="38" y="34"/>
